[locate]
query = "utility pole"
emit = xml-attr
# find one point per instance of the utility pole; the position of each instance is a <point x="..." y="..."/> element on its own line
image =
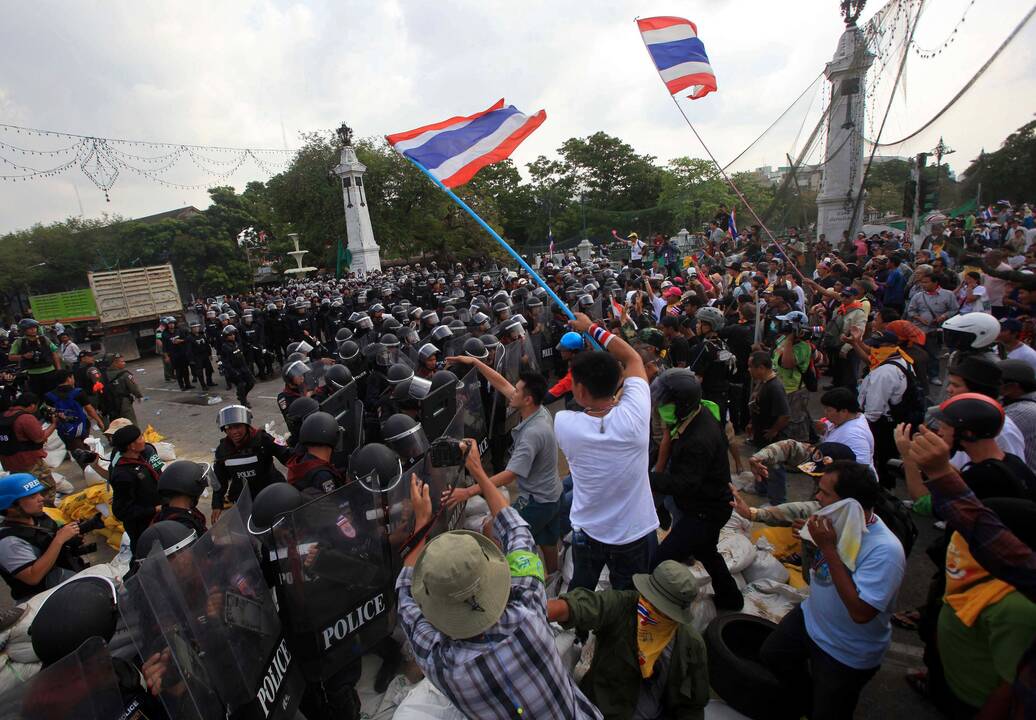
<point x="940" y="150"/>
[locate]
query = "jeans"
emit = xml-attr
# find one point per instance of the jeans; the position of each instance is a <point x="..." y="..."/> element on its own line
<point x="826" y="687"/>
<point x="566" y="506"/>
<point x="589" y="557"/>
<point x="696" y="534"/>
<point x="776" y="485"/>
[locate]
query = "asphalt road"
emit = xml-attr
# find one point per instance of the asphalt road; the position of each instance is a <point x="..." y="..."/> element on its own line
<point x="187" y="419"/>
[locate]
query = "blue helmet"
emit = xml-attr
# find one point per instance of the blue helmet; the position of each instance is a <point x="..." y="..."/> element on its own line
<point x="17" y="486"/>
<point x="571" y="341"/>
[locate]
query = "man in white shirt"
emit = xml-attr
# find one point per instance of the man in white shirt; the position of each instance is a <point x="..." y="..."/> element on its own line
<point x="844" y="423"/>
<point x="637" y="247"/>
<point x="881" y="389"/>
<point x="613" y="513"/>
<point x="69" y="350"/>
<point x="1010" y="340"/>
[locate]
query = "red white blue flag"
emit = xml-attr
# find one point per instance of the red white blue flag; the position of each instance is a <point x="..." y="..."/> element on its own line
<point x="733" y="224"/>
<point x="454" y="150"/>
<point x="679" y="55"/>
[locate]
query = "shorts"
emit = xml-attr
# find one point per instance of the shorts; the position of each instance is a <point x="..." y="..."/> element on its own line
<point x="544" y="519"/>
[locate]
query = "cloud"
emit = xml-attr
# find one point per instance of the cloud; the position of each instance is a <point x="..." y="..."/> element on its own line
<point x="258" y="72"/>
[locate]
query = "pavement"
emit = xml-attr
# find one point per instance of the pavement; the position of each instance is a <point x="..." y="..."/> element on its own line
<point x="187" y="419"/>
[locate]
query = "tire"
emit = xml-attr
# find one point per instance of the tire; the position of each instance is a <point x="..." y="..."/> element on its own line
<point x="735" y="673"/>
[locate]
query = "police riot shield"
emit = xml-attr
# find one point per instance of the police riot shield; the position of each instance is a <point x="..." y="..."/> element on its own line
<point x="335" y="554"/>
<point x="438" y="410"/>
<point x="455" y="345"/>
<point x="314" y="374"/>
<point x="81" y="685"/>
<point x="470" y="420"/>
<point x="517" y="356"/>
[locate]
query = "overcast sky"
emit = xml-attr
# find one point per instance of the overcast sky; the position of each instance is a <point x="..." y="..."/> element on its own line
<point x="257" y="74"/>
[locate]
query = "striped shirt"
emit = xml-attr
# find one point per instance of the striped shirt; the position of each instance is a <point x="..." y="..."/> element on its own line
<point x="514" y="665"/>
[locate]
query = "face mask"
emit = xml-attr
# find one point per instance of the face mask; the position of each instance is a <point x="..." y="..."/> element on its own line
<point x="668" y="413"/>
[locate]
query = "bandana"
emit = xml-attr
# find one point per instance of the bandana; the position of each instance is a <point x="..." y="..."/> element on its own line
<point x="970" y="589"/>
<point x="654" y="631"/>
<point x="879" y="355"/>
<point x="844" y="309"/>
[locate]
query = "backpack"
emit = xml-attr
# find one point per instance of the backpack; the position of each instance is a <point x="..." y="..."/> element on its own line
<point x="898" y="518"/>
<point x="911" y="407"/>
<point x="74" y="422"/>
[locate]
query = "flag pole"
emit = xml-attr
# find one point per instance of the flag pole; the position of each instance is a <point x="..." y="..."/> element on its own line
<point x="503" y="243"/>
<point x="715" y="162"/>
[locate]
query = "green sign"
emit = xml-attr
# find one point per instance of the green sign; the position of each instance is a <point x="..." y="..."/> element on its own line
<point x="66" y="306"/>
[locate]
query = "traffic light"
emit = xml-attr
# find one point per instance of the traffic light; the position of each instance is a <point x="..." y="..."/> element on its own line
<point x="909" y="194"/>
<point x="928" y="191"/>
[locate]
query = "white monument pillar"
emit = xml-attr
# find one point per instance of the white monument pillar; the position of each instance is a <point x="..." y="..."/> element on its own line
<point x="366" y="255"/>
<point x="843" y="168"/>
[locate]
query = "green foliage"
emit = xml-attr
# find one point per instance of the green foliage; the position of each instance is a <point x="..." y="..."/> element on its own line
<point x="1007" y="174"/>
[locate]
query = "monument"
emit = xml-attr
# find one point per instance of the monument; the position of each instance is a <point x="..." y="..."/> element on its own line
<point x="843" y="161"/>
<point x="365" y="253"/>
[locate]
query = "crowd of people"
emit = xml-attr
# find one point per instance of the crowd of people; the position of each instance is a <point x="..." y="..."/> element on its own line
<point x="899" y="375"/>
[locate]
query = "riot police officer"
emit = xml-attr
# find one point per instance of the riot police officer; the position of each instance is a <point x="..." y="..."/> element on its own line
<point x="199" y="355"/>
<point x="244" y="458"/>
<point x="235" y="365"/>
<point x="179" y="486"/>
<point x="309" y="467"/>
<point x="294" y="374"/>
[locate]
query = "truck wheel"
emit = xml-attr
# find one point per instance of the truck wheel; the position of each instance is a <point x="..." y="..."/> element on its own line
<point x="735" y="673"/>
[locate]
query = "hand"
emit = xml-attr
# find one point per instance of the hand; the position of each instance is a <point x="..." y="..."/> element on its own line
<point x="421" y="499"/>
<point x="461" y="360"/>
<point x="739" y="505"/>
<point x="901" y="435"/>
<point x="216" y="512"/>
<point x="930" y="452"/>
<point x="455" y="496"/>
<point x="855" y="334"/>
<point x="581" y="323"/>
<point x="758" y="468"/>
<point x="473" y="461"/>
<point x="821" y="427"/>
<point x="797" y="525"/>
<point x="154" y="669"/>
<point x="66" y="533"/>
<point x="822" y="532"/>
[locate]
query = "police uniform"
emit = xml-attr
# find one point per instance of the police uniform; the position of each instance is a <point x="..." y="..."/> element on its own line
<point x="250" y="465"/>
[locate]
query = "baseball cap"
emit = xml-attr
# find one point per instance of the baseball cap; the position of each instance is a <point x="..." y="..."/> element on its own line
<point x="1011" y="325"/>
<point x="823" y="455"/>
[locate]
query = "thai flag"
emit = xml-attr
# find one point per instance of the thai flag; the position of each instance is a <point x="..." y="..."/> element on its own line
<point x="679" y="55"/>
<point x="454" y="150"/>
<point x="732" y="224"/>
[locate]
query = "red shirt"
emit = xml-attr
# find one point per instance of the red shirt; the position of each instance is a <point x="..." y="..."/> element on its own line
<point x="26" y="428"/>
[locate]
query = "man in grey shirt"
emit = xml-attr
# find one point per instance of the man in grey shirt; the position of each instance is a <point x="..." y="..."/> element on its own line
<point x="929" y="308"/>
<point x="534" y="459"/>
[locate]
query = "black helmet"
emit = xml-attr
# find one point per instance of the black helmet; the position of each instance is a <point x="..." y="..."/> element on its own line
<point x="405" y="436"/>
<point x="273" y="501"/>
<point x="171" y="535"/>
<point x="473" y="347"/>
<point x="320" y="428"/>
<point x="294" y="371"/>
<point x="293" y="347"/>
<point x="183" y="477"/>
<point x="441" y="332"/>
<point x="973" y="416"/>
<point x="679" y="386"/>
<point x="426" y="351"/>
<point x="391" y="325"/>
<point x="489" y="341"/>
<point x="389" y="340"/>
<point x="377" y="467"/>
<point x="348" y="350"/>
<point x="400" y="372"/>
<point x="343" y="334"/>
<point x="75" y="612"/>
<point x="295" y="357"/>
<point x="443" y="377"/>
<point x="299" y="410"/>
<point x="26" y="323"/>
<point x="230" y="330"/>
<point x="338" y="376"/>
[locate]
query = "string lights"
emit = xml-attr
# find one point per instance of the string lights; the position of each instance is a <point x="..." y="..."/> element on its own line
<point x="950" y="39"/>
<point x="101" y="159"/>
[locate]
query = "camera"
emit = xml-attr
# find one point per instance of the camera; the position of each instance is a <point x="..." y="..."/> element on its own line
<point x="83" y="457"/>
<point x="94" y="523"/>
<point x="447" y="452"/>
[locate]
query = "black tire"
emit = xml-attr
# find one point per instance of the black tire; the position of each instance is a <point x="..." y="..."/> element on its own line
<point x="735" y="673"/>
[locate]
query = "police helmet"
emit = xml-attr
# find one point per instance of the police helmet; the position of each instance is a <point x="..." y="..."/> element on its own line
<point x="83" y="608"/>
<point x="273" y="502"/>
<point x="294" y="371"/>
<point x="229" y="330"/>
<point x="171" y="535"/>
<point x="338" y="376"/>
<point x="441" y="332"/>
<point x="343" y="334"/>
<point x="426" y="351"/>
<point x="473" y="347"/>
<point x="400" y="372"/>
<point x="183" y="477"/>
<point x="234" y="415"/>
<point x="348" y="350"/>
<point x="377" y="467"/>
<point x="319" y="428"/>
<point x="444" y="377"/>
<point x="405" y="436"/>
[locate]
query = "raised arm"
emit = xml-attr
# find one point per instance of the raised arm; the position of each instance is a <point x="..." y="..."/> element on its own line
<point x="632" y="365"/>
<point x="495" y="379"/>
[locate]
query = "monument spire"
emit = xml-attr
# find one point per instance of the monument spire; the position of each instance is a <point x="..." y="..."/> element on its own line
<point x="364" y="251"/>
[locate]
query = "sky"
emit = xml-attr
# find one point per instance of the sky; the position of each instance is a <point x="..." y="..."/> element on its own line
<point x="254" y="73"/>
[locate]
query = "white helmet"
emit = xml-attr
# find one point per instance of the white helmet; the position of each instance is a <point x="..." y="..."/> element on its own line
<point x="974" y="330"/>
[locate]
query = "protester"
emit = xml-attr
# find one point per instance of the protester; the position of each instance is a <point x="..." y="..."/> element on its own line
<point x="22" y="437"/>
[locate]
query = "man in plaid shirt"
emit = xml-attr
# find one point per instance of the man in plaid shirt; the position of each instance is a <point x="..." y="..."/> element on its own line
<point x="477" y="618"/>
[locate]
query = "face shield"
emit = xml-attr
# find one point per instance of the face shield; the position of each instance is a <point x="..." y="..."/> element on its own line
<point x="410" y="444"/>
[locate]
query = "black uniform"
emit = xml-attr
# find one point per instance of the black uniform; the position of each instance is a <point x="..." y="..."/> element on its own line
<point x="134" y="494"/>
<point x="199" y="354"/>
<point x="251" y="465"/>
<point x="177" y="344"/>
<point x="189" y="517"/>
<point x="235" y="368"/>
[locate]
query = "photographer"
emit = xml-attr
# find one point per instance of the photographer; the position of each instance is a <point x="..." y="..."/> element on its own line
<point x="34" y="555"/>
<point x="21" y="442"/>
<point x="10" y="385"/>
<point x="36" y="355"/>
<point x="791" y="357"/>
<point x="73" y="412"/>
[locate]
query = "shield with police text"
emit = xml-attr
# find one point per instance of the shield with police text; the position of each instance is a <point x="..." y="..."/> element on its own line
<point x="339" y="596"/>
<point x="81" y="685"/>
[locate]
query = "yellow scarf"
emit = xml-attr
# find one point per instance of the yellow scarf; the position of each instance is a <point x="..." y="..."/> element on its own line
<point x="879" y="355"/>
<point x="970" y="589"/>
<point x="654" y="631"/>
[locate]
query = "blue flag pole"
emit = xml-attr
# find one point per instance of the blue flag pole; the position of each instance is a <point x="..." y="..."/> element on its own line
<point x="501" y="241"/>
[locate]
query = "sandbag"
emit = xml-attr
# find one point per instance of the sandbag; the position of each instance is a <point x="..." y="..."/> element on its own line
<point x="53" y="441"/>
<point x="55" y="457"/>
<point x="771" y="600"/>
<point x="61" y="485"/>
<point x="425" y="702"/>
<point x="166" y="452"/>
<point x="765" y="566"/>
<point x="91" y="476"/>
<point x="737" y="551"/>
<point x="13" y="674"/>
<point x="781" y="539"/>
<point x="736" y="524"/>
